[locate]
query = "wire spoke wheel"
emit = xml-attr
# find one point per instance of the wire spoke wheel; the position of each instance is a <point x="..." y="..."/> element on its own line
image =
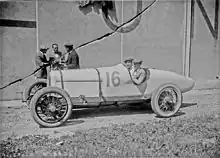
<point x="36" y="88"/>
<point x="51" y="106"/>
<point x="167" y="100"/>
<point x="32" y="89"/>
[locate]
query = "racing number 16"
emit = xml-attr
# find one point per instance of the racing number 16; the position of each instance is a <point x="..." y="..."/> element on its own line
<point x="115" y="80"/>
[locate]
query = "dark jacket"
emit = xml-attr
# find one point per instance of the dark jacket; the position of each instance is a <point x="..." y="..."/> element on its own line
<point x="40" y="59"/>
<point x="73" y="60"/>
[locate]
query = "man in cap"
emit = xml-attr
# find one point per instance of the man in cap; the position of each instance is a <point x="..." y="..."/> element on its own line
<point x="72" y="58"/>
<point x="40" y="60"/>
<point x="139" y="74"/>
<point x="128" y="63"/>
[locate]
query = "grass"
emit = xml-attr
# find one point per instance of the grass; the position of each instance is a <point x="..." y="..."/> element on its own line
<point x="188" y="137"/>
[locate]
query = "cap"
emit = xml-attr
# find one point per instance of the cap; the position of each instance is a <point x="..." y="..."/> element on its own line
<point x="128" y="59"/>
<point x="137" y="61"/>
<point x="43" y="47"/>
<point x="68" y="45"/>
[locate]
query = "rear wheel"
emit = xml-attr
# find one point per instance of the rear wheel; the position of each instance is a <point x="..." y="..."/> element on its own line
<point x="51" y="107"/>
<point x="32" y="89"/>
<point x="167" y="100"/>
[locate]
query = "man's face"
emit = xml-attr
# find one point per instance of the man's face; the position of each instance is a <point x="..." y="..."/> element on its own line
<point x="128" y="64"/>
<point x="55" y="48"/>
<point x="67" y="49"/>
<point x="137" y="66"/>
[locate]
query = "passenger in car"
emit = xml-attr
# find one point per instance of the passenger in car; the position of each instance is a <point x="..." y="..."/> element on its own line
<point x="139" y="74"/>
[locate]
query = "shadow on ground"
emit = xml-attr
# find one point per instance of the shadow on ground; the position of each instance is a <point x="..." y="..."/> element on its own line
<point x="179" y="113"/>
<point x="131" y="109"/>
<point x="185" y="105"/>
<point x="111" y="111"/>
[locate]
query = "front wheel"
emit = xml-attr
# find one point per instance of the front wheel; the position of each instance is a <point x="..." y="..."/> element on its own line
<point x="166" y="100"/>
<point x="51" y="107"/>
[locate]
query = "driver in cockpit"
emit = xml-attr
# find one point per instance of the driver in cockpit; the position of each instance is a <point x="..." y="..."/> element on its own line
<point x="128" y="63"/>
<point x="138" y="74"/>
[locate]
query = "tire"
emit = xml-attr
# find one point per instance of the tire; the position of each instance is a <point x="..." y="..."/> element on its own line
<point x="27" y="91"/>
<point x="157" y="94"/>
<point x="40" y="94"/>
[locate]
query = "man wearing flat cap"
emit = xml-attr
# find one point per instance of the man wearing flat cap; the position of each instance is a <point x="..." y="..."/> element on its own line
<point x="128" y="63"/>
<point x="40" y="60"/>
<point x="138" y="74"/>
<point x="71" y="58"/>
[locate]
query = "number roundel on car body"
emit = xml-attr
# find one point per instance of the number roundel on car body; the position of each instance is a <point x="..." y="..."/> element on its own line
<point x="113" y="79"/>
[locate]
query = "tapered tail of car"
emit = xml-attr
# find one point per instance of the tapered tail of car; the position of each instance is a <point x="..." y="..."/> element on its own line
<point x="160" y="77"/>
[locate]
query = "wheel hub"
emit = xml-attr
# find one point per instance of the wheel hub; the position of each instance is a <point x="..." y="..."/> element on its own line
<point x="52" y="107"/>
<point x="168" y="101"/>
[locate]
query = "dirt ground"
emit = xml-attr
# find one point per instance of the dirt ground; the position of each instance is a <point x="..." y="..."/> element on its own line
<point x="127" y="131"/>
<point x="17" y="121"/>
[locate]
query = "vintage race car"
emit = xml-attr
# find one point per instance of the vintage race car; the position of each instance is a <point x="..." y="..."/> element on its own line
<point x="66" y="90"/>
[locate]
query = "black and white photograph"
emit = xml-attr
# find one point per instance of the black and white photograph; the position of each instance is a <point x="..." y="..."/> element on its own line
<point x="110" y="78"/>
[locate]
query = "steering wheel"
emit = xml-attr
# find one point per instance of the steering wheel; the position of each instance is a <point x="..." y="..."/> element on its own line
<point x="55" y="65"/>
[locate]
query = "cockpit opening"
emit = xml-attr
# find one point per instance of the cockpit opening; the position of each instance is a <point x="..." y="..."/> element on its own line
<point x="137" y="73"/>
